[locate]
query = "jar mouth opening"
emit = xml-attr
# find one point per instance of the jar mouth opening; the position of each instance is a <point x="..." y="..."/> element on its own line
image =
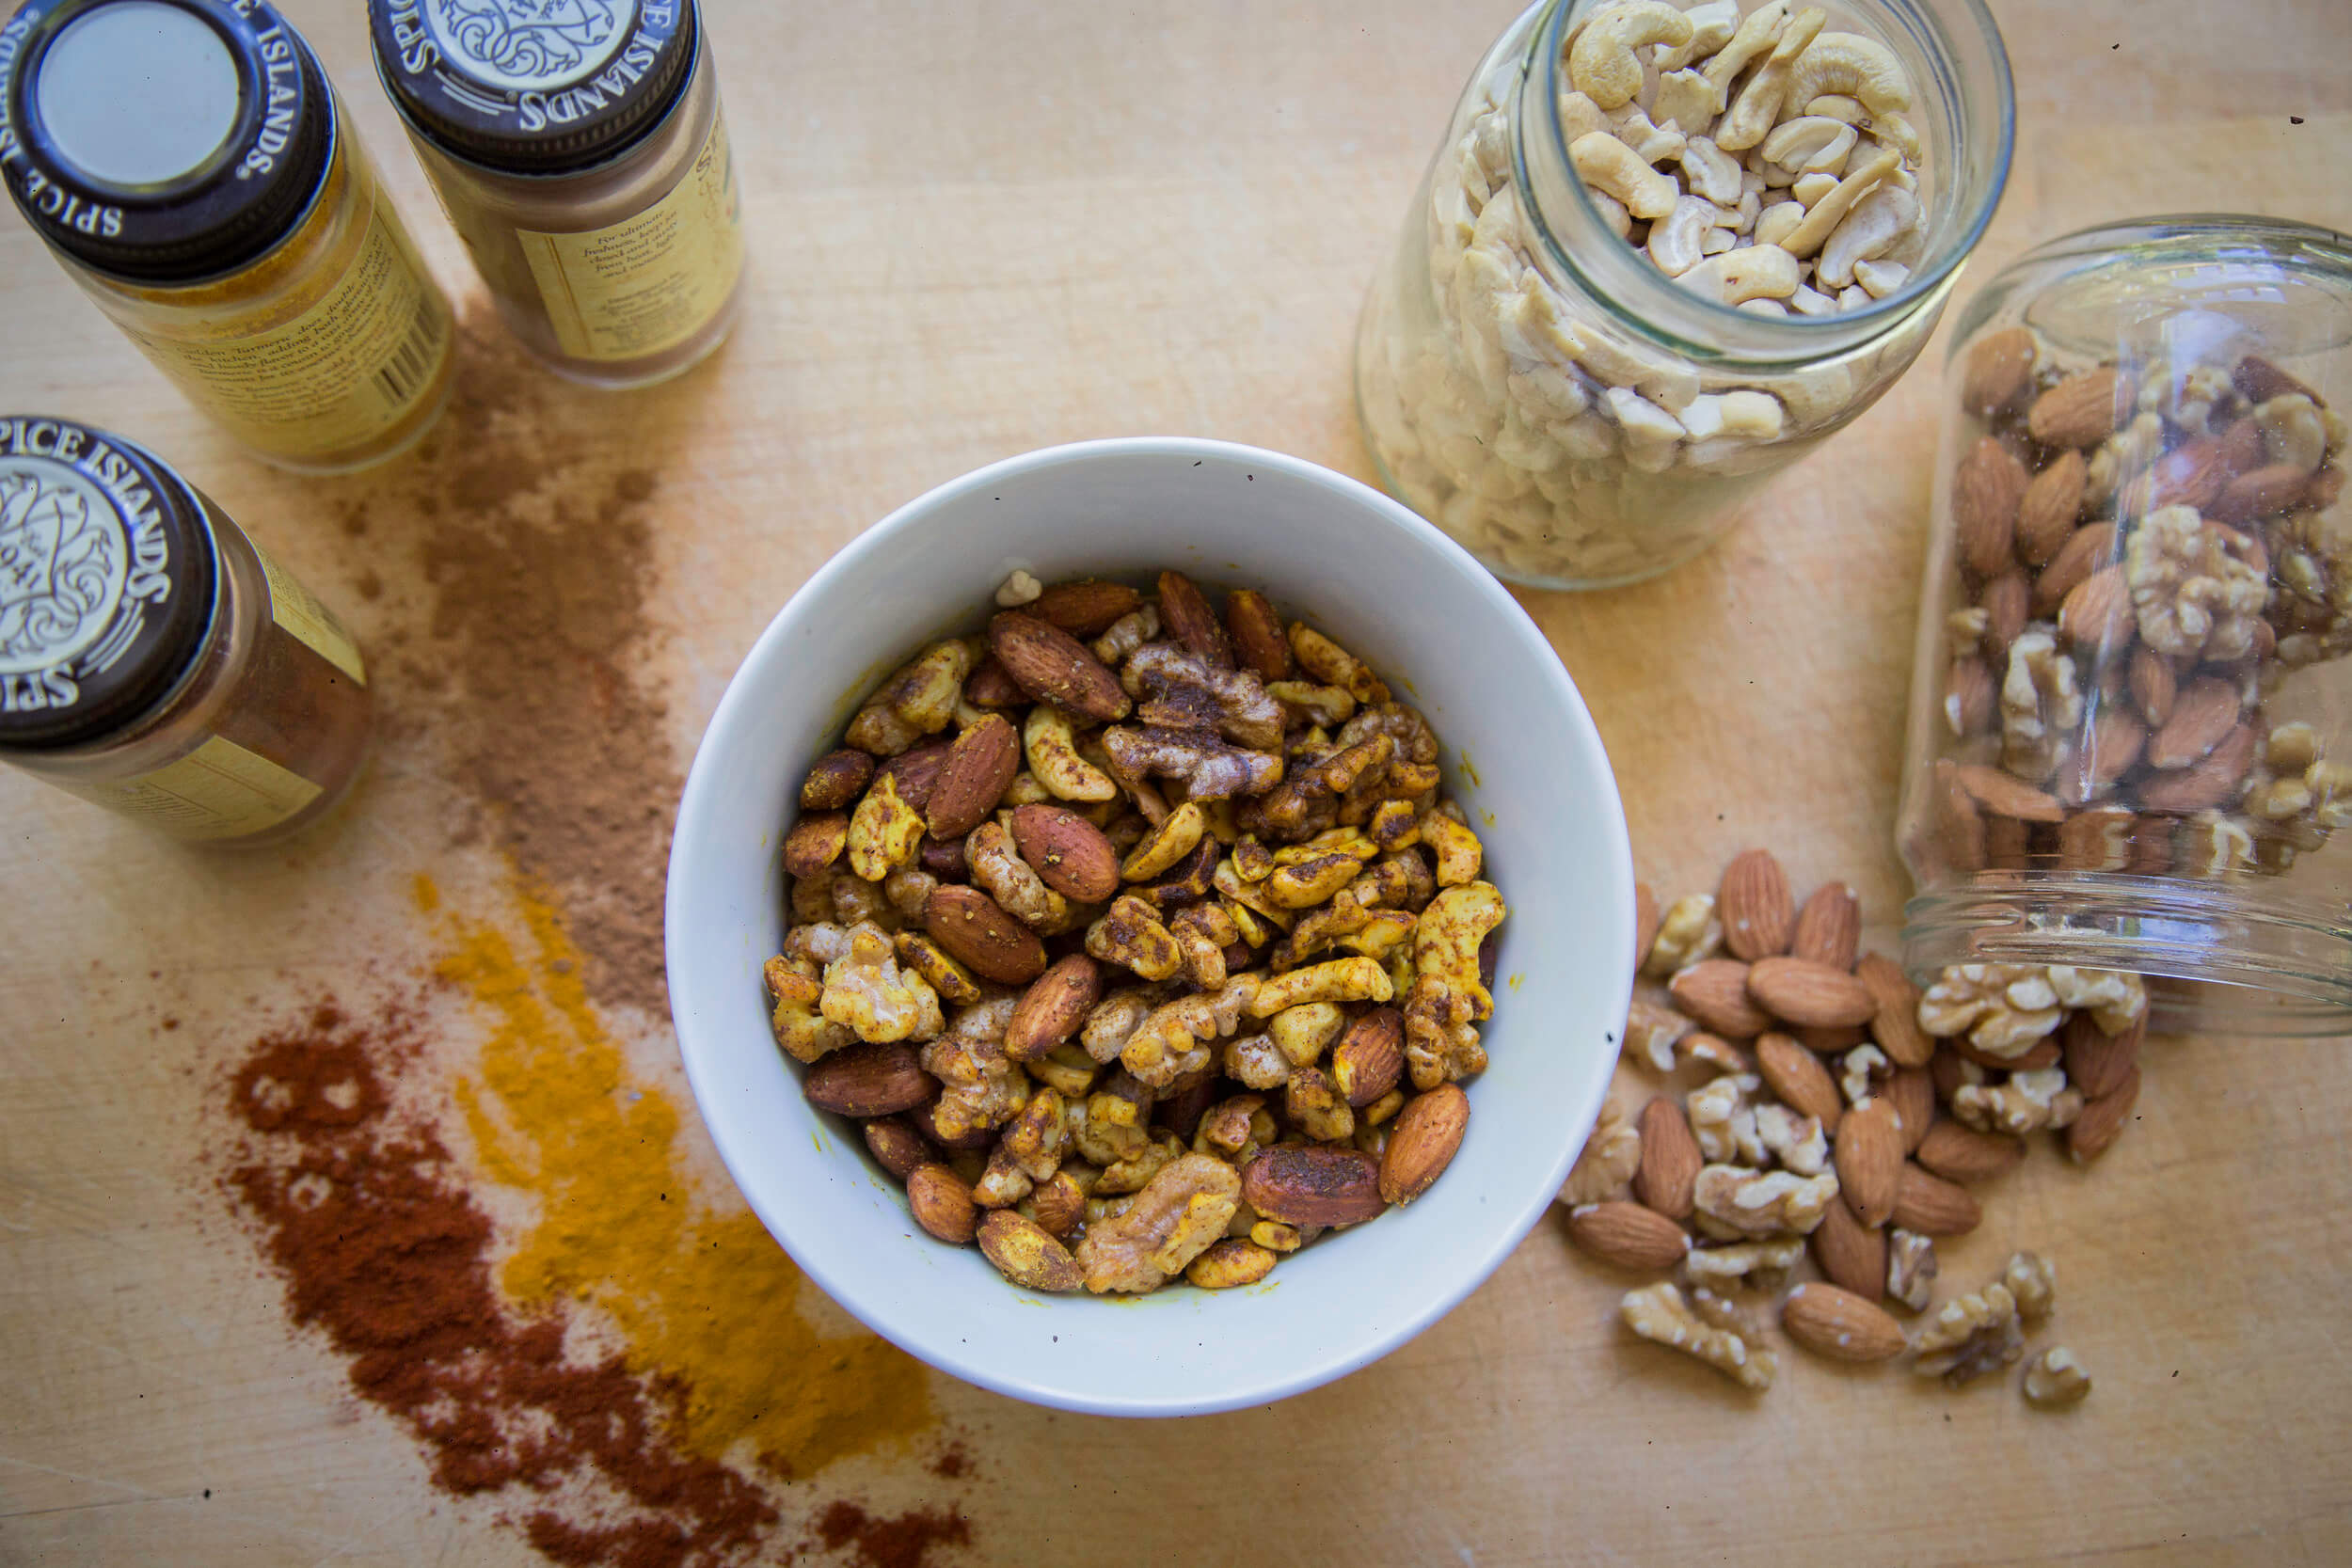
<point x="1966" y="71"/>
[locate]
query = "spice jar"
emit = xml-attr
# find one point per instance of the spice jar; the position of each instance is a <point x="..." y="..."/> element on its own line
<point x="2130" y="741"/>
<point x="1660" y="255"/>
<point x="229" y="223"/>
<point x="152" y="659"/>
<point x="581" y="154"/>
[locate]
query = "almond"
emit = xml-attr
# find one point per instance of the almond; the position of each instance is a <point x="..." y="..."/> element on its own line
<point x="1840" y="1324"/>
<point x="1628" y="1236"/>
<point x="1305" y="1184"/>
<point x="1959" y="833"/>
<point x="1799" y="990"/>
<point x="2097" y="616"/>
<point x="1086" y="608"/>
<point x="2008" y="602"/>
<point x="979" y="767"/>
<point x="837" y="781"/>
<point x="943" y="857"/>
<point x="1968" y="696"/>
<point x="1054" y="666"/>
<point x="1999" y="373"/>
<point x="1669" y="1159"/>
<point x="1830" y="1042"/>
<point x="2080" y="411"/>
<point x="2272" y="488"/>
<point x="815" y="842"/>
<point x="980" y="935"/>
<point x="868" y="1080"/>
<point x="1895" y="1017"/>
<point x="942" y="1203"/>
<point x="2257" y="380"/>
<point x="1251" y="621"/>
<point x="915" y="772"/>
<point x="1797" y="1077"/>
<point x="1646" y="919"/>
<point x="1370" y="1056"/>
<point x="2192" y="474"/>
<point x="1988" y="489"/>
<point x="2045" y="519"/>
<point x="1026" y="1254"/>
<point x="2090" y="546"/>
<point x="1754" y="905"/>
<point x="1829" y="928"/>
<point x="1912" y="1092"/>
<point x="1869" y="1160"/>
<point x="2201" y="718"/>
<point x="1852" y="1255"/>
<point x="2102" y="1120"/>
<point x="1050" y="1011"/>
<point x="1188" y="616"/>
<point x="2004" y="794"/>
<point x="1933" y="1206"/>
<point x="1964" y="1155"/>
<point x="2109" y="750"/>
<point x="2097" y="1062"/>
<point x="1423" y="1142"/>
<point x="1715" y="992"/>
<point x="1068" y="852"/>
<point x="896" y="1146"/>
<point x="2203" y="785"/>
<point x="988" y="686"/>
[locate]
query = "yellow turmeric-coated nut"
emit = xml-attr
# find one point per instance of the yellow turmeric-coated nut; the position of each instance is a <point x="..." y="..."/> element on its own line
<point x="1164" y="846"/>
<point x="885" y="831"/>
<point x="1310" y="882"/>
<point x="1228" y="1263"/>
<point x="1460" y="855"/>
<point x="1356" y="980"/>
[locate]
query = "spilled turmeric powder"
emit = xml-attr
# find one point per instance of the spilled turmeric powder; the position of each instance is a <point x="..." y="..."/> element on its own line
<point x="704" y="1298"/>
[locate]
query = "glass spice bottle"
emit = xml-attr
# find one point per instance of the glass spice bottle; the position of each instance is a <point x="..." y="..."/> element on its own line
<point x="581" y="154"/>
<point x="231" y="226"/>
<point x="155" y="659"/>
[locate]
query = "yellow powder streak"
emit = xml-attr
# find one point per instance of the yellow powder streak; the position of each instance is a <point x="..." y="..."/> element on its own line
<point x="704" y="1298"/>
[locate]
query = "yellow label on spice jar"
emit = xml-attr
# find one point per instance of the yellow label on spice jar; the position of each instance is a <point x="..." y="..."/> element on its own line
<point x="652" y="281"/>
<point x="219" y="790"/>
<point x="299" y="614"/>
<point x="343" y="372"/>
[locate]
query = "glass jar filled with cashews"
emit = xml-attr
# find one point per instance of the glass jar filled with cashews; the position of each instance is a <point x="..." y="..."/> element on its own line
<point x="1662" y="252"/>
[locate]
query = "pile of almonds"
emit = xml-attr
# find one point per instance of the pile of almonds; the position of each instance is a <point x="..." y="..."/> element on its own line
<point x="1845" y="1114"/>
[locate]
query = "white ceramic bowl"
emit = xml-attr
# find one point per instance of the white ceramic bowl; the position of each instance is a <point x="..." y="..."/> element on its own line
<point x="1521" y="755"/>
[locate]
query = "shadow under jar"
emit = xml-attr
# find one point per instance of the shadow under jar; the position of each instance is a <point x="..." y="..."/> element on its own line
<point x="2130" y="741"/>
<point x="1615" y="312"/>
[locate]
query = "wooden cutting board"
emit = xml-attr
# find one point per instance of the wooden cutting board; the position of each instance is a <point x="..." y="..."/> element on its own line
<point x="979" y="229"/>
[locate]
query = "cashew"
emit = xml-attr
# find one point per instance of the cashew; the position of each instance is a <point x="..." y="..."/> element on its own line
<point x="1716" y="241"/>
<point x="1357" y="979"/>
<point x="1811" y="188"/>
<point x="1756" y="35"/>
<point x="1751" y="413"/>
<point x="1712" y="26"/>
<point x="1869" y="230"/>
<point x="1854" y="66"/>
<point x="1631" y="125"/>
<point x="1602" y="161"/>
<point x="1897" y="131"/>
<point x="1810" y="143"/>
<point x="1879" y="278"/>
<point x="1713" y="172"/>
<point x="1838" y="106"/>
<point x="1602" y="61"/>
<point x="1759" y="101"/>
<point x="1580" y="116"/>
<point x="1674" y="239"/>
<point x="1778" y="221"/>
<point x="1809" y="302"/>
<point x="1688" y="100"/>
<point x="1762" y="308"/>
<point x="1753" y="272"/>
<point x="1640" y="419"/>
<point x="1823" y="217"/>
<point x="1053" y="751"/>
<point x="1611" y="211"/>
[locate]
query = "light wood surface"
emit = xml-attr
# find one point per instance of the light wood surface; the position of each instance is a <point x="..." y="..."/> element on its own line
<point x="976" y="230"/>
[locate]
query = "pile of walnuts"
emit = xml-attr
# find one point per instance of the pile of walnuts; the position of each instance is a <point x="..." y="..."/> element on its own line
<point x="1140" y="937"/>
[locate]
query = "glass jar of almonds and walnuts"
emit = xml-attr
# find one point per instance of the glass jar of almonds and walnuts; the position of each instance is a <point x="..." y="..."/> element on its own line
<point x="2130" y="740"/>
<point x="1661" y="254"/>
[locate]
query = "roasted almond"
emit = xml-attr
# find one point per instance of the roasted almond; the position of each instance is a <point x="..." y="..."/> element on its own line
<point x="1054" y="666"/>
<point x="1840" y="1324"/>
<point x="1026" y="1254"/>
<point x="1801" y="991"/>
<point x="2004" y="794"/>
<point x="1714" y="991"/>
<point x="1869" y="1160"/>
<point x="1988" y="488"/>
<point x="2257" y="380"/>
<point x="943" y="857"/>
<point x="1669" y="1159"/>
<point x="1850" y="1253"/>
<point x="837" y="781"/>
<point x="1086" y="608"/>
<point x="815" y="842"/>
<point x="1912" y="1091"/>
<point x="1754" y="905"/>
<point x="1188" y="616"/>
<point x="2202" y="717"/>
<point x="2102" y="1120"/>
<point x="2202" y="786"/>
<point x="1628" y="1236"/>
<point x="1251" y="621"/>
<point x="1933" y="1206"/>
<point x="1050" y="1011"/>
<point x="2090" y="547"/>
<point x="981" y="764"/>
<point x="1797" y="1077"/>
<point x="942" y="1203"/>
<point x="1370" y="1056"/>
<point x="1070" y="854"/>
<point x="989" y="687"/>
<point x="1964" y="1155"/>
<point x="914" y="771"/>
<point x="2080" y="411"/>
<point x="1303" y="1184"/>
<point x="2097" y="1062"/>
<point x="1646" y="919"/>
<point x="2054" y="498"/>
<point x="868" y="1080"/>
<point x="980" y="935"/>
<point x="896" y="1145"/>
<point x="1829" y="928"/>
<point x="2097" y="617"/>
<point x="1999" y="371"/>
<point x="1423" y="1142"/>
<point x="1895" y="1017"/>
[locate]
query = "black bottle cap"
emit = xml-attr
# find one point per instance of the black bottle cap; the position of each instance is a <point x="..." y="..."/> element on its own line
<point x="534" y="87"/>
<point x="107" y="572"/>
<point x="162" y="141"/>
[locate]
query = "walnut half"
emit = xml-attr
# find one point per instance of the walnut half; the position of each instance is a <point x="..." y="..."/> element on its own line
<point x="1970" y="1335"/>
<point x="1704" y="1325"/>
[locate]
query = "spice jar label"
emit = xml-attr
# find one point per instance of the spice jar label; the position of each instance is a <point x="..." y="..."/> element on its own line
<point x="654" y="280"/>
<point x="299" y="612"/>
<point x="219" y="790"/>
<point x="353" y="365"/>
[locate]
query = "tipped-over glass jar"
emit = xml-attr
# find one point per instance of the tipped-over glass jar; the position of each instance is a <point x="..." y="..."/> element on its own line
<point x="1660" y="255"/>
<point x="2130" y="742"/>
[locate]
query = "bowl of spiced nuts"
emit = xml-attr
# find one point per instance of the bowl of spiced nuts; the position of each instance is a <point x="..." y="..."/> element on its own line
<point x="1149" y="925"/>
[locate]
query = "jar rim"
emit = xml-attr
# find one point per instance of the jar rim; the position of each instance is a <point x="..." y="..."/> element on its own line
<point x="1648" y="302"/>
